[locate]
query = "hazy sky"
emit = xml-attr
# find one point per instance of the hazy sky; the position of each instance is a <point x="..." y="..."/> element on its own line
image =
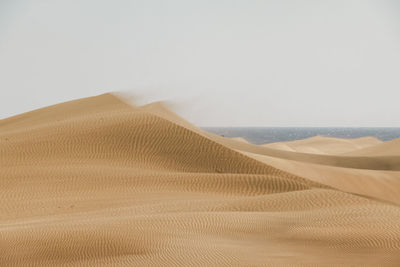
<point x="221" y="63"/>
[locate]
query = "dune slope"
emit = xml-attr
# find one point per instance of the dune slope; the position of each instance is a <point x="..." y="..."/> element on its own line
<point x="98" y="182"/>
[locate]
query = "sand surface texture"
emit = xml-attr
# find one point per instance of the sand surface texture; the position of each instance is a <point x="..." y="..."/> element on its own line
<point x="98" y="182"/>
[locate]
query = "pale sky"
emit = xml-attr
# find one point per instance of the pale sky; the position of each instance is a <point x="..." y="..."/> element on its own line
<point x="220" y="63"/>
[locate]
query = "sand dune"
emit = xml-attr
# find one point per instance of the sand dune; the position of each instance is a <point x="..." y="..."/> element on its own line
<point x="390" y="163"/>
<point x="377" y="184"/>
<point x="326" y="145"/>
<point x="98" y="182"/>
<point x="390" y="148"/>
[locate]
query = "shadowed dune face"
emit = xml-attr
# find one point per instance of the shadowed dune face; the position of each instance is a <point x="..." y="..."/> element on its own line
<point x="99" y="182"/>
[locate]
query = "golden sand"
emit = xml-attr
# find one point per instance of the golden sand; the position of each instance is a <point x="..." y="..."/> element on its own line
<point x="98" y="182"/>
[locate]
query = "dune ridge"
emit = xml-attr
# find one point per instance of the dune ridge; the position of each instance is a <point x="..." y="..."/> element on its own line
<point x="100" y="182"/>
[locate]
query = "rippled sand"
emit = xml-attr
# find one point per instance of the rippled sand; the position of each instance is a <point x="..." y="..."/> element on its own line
<point x="99" y="182"/>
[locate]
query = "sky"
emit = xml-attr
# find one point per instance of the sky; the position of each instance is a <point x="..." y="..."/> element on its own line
<point x="215" y="62"/>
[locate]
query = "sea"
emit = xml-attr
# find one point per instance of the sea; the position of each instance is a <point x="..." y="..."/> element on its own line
<point x="264" y="135"/>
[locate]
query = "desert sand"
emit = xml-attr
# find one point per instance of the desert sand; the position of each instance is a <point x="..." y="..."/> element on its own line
<point x="100" y="182"/>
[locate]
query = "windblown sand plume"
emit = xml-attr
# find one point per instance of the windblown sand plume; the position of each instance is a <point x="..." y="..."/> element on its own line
<point x="99" y="182"/>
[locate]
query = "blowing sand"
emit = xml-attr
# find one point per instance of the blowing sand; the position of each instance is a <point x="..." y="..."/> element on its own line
<point x="99" y="182"/>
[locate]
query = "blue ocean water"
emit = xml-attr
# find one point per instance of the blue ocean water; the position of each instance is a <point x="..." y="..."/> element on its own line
<point x="263" y="135"/>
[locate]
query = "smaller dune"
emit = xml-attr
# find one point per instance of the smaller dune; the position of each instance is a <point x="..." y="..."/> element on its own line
<point x="377" y="184"/>
<point x="326" y="145"/>
<point x="390" y="148"/>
